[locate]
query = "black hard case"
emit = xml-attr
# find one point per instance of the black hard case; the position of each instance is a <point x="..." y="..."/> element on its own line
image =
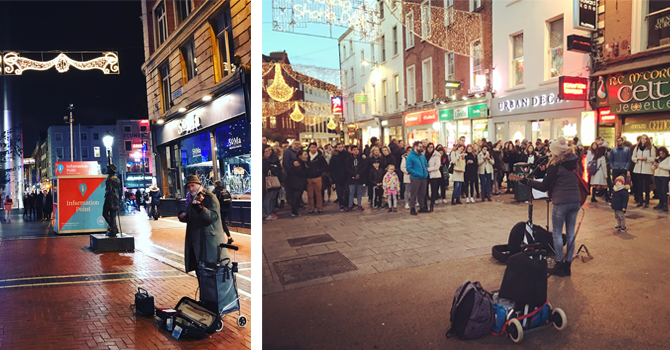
<point x="195" y="319"/>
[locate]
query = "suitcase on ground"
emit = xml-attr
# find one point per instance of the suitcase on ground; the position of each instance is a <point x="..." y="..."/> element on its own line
<point x="194" y="319"/>
<point x="144" y="303"/>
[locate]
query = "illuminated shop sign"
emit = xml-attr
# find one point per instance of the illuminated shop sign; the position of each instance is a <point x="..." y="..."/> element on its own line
<point x="137" y="146"/>
<point x="535" y="101"/>
<point x="585" y="14"/>
<point x="336" y="104"/>
<point x="572" y="88"/>
<point x="637" y="92"/>
<point x="189" y="124"/>
<point x="421" y="118"/>
<point x="579" y="43"/>
<point x="606" y="116"/>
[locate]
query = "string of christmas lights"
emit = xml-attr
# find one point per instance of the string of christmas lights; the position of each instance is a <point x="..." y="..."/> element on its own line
<point x="15" y="64"/>
<point x="324" y="79"/>
<point x="279" y="90"/>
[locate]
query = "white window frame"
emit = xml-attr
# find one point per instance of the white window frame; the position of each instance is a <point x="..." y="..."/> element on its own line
<point x="177" y="13"/>
<point x="374" y="99"/>
<point x="548" y="48"/>
<point x="474" y="69"/>
<point x="157" y="21"/>
<point x="411" y="84"/>
<point x="475" y="5"/>
<point x="385" y="91"/>
<point x="395" y="40"/>
<point x="448" y="12"/>
<point x="512" y="60"/>
<point x="449" y="69"/>
<point x="427" y="79"/>
<point x="425" y="20"/>
<point x="409" y="35"/>
<point x="396" y="87"/>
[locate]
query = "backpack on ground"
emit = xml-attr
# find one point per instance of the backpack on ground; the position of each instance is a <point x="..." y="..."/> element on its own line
<point x="225" y="199"/>
<point x="471" y="312"/>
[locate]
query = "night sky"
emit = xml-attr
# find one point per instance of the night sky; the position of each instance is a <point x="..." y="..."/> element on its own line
<point x="42" y="97"/>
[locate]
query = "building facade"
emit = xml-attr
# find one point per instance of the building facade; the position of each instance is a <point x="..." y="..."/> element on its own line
<point x="631" y="70"/>
<point x="197" y="56"/>
<point x="87" y="146"/>
<point x="135" y="163"/>
<point x="530" y="53"/>
<point x="281" y="125"/>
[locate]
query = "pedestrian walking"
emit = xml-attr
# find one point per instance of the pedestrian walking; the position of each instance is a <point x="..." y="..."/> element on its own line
<point x="620" y="202"/>
<point x="8" y="207"/>
<point x="391" y="187"/>
<point x="661" y="177"/>
<point x="643" y="156"/>
<point x="316" y="166"/>
<point x="357" y="170"/>
<point x="562" y="183"/>
<point x="458" y="161"/>
<point x="417" y="165"/>
<point x="32" y="212"/>
<point x="39" y="205"/>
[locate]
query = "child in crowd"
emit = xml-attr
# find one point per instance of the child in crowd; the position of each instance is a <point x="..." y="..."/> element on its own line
<point x="376" y="178"/>
<point x="620" y="202"/>
<point x="391" y="187"/>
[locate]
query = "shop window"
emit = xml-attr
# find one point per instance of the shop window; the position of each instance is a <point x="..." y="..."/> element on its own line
<point x="517" y="59"/>
<point x="409" y="35"/>
<point x="234" y="157"/>
<point x="517" y="131"/>
<point x="555" y="54"/>
<point x="658" y="23"/>
<point x="566" y="127"/>
<point x="196" y="158"/>
<point x="189" y="62"/>
<point x="540" y="130"/>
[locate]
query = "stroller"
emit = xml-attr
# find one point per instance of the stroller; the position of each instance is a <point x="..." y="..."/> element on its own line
<point x="521" y="303"/>
<point x="218" y="288"/>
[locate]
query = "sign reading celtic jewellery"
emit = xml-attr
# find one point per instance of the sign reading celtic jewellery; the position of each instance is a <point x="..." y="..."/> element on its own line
<point x="189" y="124"/>
<point x="638" y="92"/>
<point x="660" y="125"/>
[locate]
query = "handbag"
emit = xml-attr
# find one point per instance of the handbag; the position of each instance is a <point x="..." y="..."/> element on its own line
<point x="460" y="165"/>
<point x="451" y="168"/>
<point x="272" y="182"/>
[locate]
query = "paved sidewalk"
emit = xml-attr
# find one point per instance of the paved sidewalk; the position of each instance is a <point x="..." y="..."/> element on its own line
<point x="57" y="294"/>
<point x="378" y="241"/>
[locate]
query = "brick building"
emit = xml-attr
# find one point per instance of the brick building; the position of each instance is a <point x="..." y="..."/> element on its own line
<point x="197" y="57"/>
<point x="631" y="70"/>
<point x="433" y="112"/>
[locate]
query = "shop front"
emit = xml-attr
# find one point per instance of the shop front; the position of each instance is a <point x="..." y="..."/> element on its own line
<point x="635" y="103"/>
<point x="212" y="142"/>
<point x="392" y="128"/>
<point x="540" y="115"/>
<point x="368" y="129"/>
<point x="422" y="125"/>
<point x="470" y="121"/>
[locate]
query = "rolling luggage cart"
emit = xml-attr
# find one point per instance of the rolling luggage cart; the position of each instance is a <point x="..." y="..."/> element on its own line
<point x="525" y="288"/>
<point x="218" y="288"/>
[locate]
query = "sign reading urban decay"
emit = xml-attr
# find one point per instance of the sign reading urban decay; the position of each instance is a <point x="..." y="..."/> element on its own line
<point x="637" y="92"/>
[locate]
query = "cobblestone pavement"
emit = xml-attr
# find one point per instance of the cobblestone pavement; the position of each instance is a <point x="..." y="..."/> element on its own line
<point x="408" y="268"/>
<point x="56" y="294"/>
<point x="378" y="241"/>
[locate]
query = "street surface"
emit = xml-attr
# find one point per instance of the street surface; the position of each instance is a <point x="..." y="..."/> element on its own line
<point x="57" y="294"/>
<point x="403" y="271"/>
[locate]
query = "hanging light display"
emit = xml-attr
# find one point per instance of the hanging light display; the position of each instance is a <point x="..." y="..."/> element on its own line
<point x="279" y="91"/>
<point x="331" y="124"/>
<point x="324" y="79"/>
<point x="297" y="115"/>
<point x="15" y="64"/>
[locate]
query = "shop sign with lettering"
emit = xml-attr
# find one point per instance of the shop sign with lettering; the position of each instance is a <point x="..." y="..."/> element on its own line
<point x="532" y="102"/>
<point x="421" y="118"/>
<point x="638" y="92"/>
<point x="661" y="125"/>
<point x="475" y="111"/>
<point x="189" y="124"/>
<point x="584" y="16"/>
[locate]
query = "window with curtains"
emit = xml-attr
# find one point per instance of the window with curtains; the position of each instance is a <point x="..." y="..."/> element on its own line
<point x="555" y="54"/>
<point x="223" y="29"/>
<point x="517" y="59"/>
<point x="190" y="60"/>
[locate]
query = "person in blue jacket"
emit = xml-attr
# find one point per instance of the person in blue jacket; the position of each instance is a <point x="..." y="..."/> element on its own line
<point x="417" y="167"/>
<point x="620" y="159"/>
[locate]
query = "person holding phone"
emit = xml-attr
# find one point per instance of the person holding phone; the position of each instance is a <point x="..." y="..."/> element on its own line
<point x="458" y="157"/>
<point x="562" y="183"/>
<point x="471" y="167"/>
<point x="485" y="163"/>
<point x="643" y="156"/>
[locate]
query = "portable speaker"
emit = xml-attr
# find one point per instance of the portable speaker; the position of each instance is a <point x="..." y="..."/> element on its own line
<point x="144" y="303"/>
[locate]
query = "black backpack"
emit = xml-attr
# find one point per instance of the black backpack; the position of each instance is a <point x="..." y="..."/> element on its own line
<point x="471" y="312"/>
<point x="225" y="199"/>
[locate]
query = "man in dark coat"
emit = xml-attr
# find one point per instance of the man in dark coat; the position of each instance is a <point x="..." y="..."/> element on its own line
<point x="154" y="201"/>
<point x="338" y="173"/>
<point x="316" y="165"/>
<point x="48" y="205"/>
<point x="290" y="155"/>
<point x="219" y="191"/>
<point x="356" y="169"/>
<point x="204" y="231"/>
<point x="110" y="208"/>
<point x="39" y="205"/>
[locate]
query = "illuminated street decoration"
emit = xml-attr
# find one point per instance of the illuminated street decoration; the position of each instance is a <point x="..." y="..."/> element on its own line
<point x="279" y="91"/>
<point x="324" y="79"/>
<point x="297" y="115"/>
<point x="15" y="64"/>
<point x="331" y="124"/>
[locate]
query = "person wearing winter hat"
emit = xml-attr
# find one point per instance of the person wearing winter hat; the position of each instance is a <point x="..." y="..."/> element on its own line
<point x="202" y="223"/>
<point x="562" y="184"/>
<point x="620" y="202"/>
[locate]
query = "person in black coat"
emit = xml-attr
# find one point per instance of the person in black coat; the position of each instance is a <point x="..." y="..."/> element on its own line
<point x="510" y="156"/>
<point x="297" y="179"/>
<point x="316" y="165"/>
<point x="26" y="210"/>
<point x="39" y="205"/>
<point x="376" y="177"/>
<point x="338" y="174"/>
<point x="270" y="167"/>
<point x="356" y="168"/>
<point x="471" y="175"/>
<point x="48" y="205"/>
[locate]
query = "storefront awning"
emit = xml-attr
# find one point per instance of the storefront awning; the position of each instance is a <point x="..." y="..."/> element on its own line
<point x="638" y="64"/>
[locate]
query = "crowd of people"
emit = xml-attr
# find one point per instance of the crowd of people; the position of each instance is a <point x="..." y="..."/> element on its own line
<point x="420" y="174"/>
<point x="37" y="205"/>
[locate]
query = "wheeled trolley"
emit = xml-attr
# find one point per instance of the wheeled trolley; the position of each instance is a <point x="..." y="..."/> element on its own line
<point x="218" y="288"/>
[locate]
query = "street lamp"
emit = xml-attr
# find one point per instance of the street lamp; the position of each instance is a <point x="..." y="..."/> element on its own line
<point x="108" y="141"/>
<point x="70" y="120"/>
